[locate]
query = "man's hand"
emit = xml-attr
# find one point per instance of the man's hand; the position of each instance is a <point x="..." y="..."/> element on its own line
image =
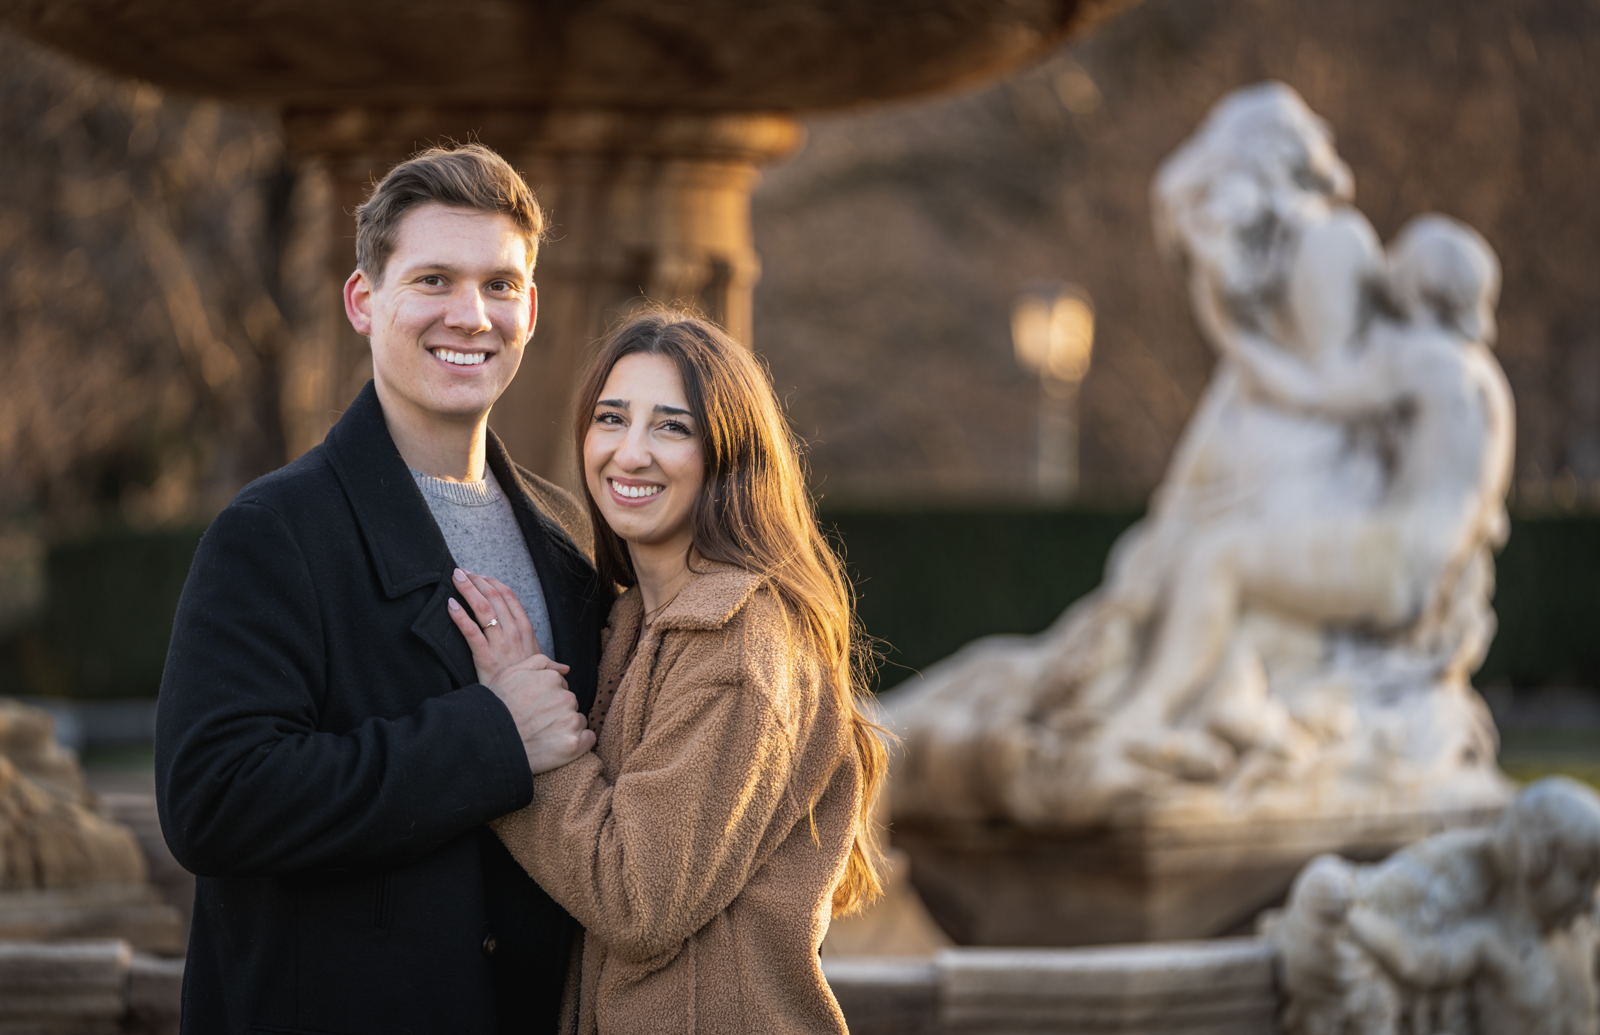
<point x="553" y="731"/>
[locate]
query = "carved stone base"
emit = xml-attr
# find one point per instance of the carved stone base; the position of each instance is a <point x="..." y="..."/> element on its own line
<point x="135" y="914"/>
<point x="992" y="884"/>
<point x="1218" y="987"/>
<point x="87" y="988"/>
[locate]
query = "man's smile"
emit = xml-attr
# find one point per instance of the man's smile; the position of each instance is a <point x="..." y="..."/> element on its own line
<point x="460" y="359"/>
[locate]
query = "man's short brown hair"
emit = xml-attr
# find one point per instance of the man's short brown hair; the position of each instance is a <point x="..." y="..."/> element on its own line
<point x="463" y="176"/>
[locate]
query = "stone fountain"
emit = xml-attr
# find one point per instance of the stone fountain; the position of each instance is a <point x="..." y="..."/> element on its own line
<point x="1278" y="661"/>
<point x="640" y="124"/>
<point x="66" y="870"/>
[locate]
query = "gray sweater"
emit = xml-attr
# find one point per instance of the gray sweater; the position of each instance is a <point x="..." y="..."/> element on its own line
<point x="485" y="539"/>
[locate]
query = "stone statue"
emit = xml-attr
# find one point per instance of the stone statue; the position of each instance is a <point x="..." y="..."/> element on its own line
<point x="1481" y="932"/>
<point x="50" y="836"/>
<point x="1291" y="629"/>
<point x="66" y="871"/>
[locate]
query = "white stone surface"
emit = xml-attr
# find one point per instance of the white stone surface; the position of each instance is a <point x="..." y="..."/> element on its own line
<point x="1222" y="986"/>
<point x="134" y="912"/>
<point x="87" y="988"/>
<point x="66" y="869"/>
<point x="1219" y="987"/>
<point x="75" y="988"/>
<point x="1488" y="932"/>
<point x="1290" y="631"/>
<point x="885" y="996"/>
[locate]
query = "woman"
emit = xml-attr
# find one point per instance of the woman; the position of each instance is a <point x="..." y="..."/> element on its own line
<point x="724" y="812"/>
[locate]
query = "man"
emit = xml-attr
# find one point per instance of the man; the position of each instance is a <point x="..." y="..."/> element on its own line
<point x="325" y="758"/>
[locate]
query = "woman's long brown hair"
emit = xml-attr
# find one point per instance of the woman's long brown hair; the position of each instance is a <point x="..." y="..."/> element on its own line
<point x="753" y="511"/>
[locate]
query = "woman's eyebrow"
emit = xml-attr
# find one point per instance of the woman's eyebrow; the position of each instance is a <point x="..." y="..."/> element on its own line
<point x="622" y="404"/>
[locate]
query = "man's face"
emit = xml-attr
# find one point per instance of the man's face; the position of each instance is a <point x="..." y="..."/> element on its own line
<point x="450" y="319"/>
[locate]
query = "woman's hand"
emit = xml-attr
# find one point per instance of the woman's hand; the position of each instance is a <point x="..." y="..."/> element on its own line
<point x="502" y="636"/>
<point x="512" y="665"/>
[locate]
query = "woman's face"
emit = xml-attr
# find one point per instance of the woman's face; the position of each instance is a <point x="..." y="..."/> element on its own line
<point x="641" y="455"/>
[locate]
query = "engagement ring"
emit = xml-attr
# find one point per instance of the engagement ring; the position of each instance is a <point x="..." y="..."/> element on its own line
<point x="493" y="621"/>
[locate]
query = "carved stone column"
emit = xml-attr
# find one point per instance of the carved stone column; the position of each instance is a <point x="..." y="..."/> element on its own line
<point x="639" y="123"/>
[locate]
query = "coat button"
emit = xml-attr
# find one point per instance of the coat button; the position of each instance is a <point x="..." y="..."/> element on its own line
<point x="489" y="944"/>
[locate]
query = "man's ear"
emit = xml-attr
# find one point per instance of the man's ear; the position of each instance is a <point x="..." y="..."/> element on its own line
<point x="533" y="310"/>
<point x="358" y="302"/>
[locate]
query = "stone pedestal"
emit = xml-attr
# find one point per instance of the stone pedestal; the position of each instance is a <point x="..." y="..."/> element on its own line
<point x="996" y="884"/>
<point x="1222" y="987"/>
<point x="885" y="996"/>
<point x="1209" y="988"/>
<point x="135" y="913"/>
<point x="137" y="812"/>
<point x="87" y="988"/>
<point x="77" y="989"/>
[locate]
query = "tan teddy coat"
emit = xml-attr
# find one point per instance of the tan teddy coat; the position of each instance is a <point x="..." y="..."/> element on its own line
<point x="683" y="843"/>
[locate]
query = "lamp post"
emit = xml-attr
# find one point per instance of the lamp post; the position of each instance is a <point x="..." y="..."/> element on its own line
<point x="1052" y="332"/>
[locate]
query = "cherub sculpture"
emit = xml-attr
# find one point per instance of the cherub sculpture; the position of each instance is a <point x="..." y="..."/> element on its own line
<point x="1383" y="566"/>
<point x="1291" y="629"/>
<point x="1477" y="932"/>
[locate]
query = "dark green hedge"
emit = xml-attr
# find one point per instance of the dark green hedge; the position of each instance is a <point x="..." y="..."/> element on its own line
<point x="928" y="582"/>
<point x="931" y="581"/>
<point x="107" y="617"/>
<point x="1548" y="600"/>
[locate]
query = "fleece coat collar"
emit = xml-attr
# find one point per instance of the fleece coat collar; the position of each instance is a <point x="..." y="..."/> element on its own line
<point x="713" y="595"/>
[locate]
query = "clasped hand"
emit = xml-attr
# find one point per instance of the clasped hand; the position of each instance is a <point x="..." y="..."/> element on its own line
<point x="511" y="663"/>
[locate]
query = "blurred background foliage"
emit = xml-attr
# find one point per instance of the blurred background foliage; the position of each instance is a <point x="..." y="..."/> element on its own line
<point x="155" y="270"/>
<point x="161" y="262"/>
<point x="895" y="242"/>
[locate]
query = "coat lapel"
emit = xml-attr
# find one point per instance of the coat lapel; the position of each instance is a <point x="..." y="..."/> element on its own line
<point x="435" y="627"/>
<point x="407" y="548"/>
<point x="713" y="595"/>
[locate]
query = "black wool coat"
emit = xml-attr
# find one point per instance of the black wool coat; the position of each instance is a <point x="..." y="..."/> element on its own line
<point x="326" y="760"/>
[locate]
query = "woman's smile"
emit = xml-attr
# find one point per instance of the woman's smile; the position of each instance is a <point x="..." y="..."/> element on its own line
<point x="630" y="493"/>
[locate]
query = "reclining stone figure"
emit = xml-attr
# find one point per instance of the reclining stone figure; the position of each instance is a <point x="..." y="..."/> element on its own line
<point x="1475" y="932"/>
